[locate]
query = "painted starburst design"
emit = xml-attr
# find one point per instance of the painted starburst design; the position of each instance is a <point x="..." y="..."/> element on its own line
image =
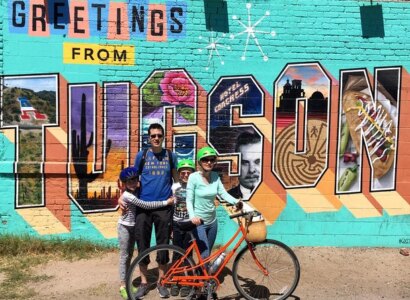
<point x="213" y="47"/>
<point x="251" y="32"/>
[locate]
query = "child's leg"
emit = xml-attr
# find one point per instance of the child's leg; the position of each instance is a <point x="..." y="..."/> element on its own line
<point x="177" y="235"/>
<point x="186" y="241"/>
<point x="126" y="239"/>
<point x="177" y="238"/>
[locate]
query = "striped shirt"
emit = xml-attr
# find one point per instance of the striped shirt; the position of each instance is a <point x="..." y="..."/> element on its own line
<point x="128" y="218"/>
<point x="180" y="210"/>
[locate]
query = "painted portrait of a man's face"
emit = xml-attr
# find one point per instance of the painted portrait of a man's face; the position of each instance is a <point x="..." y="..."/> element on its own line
<point x="250" y="164"/>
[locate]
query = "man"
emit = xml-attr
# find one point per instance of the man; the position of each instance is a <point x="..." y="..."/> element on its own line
<point x="250" y="147"/>
<point x="157" y="167"/>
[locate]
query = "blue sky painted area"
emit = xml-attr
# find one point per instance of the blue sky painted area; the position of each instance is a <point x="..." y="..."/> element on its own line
<point x="312" y="78"/>
<point x="77" y="93"/>
<point x="117" y="100"/>
<point x="33" y="83"/>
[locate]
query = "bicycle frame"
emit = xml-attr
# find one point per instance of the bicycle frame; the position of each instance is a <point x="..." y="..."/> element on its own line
<point x="176" y="273"/>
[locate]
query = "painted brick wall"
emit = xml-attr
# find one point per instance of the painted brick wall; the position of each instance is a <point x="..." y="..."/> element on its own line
<point x="222" y="72"/>
<point x="1" y="43"/>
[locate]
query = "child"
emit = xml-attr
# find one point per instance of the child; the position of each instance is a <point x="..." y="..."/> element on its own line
<point x="180" y="238"/>
<point x="126" y="223"/>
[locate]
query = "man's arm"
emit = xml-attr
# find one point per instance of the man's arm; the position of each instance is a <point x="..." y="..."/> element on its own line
<point x="174" y="167"/>
<point x="175" y="175"/>
<point x="137" y="161"/>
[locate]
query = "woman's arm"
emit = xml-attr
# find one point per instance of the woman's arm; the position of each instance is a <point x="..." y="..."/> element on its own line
<point x="190" y="200"/>
<point x="190" y="196"/>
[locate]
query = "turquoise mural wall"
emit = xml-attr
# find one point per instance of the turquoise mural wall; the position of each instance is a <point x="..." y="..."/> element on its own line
<point x="321" y="87"/>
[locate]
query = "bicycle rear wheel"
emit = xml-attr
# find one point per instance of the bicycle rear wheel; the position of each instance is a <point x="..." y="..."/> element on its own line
<point x="163" y="254"/>
<point x="282" y="268"/>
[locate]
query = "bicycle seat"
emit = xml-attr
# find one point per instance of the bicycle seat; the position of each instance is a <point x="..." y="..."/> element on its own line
<point x="186" y="225"/>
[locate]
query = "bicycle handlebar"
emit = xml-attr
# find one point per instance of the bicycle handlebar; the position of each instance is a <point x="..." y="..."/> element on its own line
<point x="239" y="215"/>
<point x="187" y="225"/>
<point x="251" y="214"/>
<point x="242" y="213"/>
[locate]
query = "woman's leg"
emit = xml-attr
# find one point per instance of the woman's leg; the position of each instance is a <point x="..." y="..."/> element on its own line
<point x="211" y="232"/>
<point x="202" y="240"/>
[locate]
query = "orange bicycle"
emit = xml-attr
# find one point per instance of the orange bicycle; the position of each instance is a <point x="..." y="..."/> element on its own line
<point x="265" y="269"/>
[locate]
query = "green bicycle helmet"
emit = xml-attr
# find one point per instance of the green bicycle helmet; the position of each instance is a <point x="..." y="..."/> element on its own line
<point x="186" y="163"/>
<point x="205" y="152"/>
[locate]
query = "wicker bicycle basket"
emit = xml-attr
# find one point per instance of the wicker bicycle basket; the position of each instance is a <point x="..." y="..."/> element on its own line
<point x="255" y="230"/>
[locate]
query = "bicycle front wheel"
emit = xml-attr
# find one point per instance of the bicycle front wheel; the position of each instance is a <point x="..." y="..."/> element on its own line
<point x="281" y="268"/>
<point x="147" y="265"/>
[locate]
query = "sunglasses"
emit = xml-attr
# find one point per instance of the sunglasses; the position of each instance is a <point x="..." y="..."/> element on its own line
<point x="208" y="160"/>
<point x="185" y="173"/>
<point x="132" y="179"/>
<point x="153" y="136"/>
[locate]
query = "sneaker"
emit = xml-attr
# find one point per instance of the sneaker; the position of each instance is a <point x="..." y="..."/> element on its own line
<point x="123" y="293"/>
<point x="185" y="291"/>
<point x="163" y="291"/>
<point x="142" y="291"/>
<point x="175" y="291"/>
<point x="134" y="290"/>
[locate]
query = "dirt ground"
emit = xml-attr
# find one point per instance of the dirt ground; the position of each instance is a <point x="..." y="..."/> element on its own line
<point x="326" y="273"/>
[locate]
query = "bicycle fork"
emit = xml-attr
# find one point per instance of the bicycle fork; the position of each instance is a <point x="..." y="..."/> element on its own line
<point x="258" y="263"/>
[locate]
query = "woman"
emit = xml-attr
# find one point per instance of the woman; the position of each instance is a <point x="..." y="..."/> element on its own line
<point x="203" y="186"/>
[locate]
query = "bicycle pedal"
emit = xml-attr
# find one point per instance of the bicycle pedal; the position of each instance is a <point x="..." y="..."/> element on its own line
<point x="214" y="296"/>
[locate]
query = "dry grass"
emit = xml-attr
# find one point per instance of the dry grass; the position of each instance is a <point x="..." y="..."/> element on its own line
<point x="19" y="254"/>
